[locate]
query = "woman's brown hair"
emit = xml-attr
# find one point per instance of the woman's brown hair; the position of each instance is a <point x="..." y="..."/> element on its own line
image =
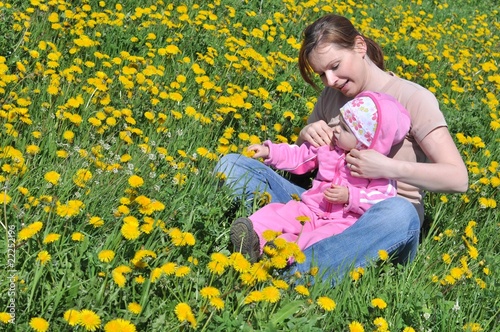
<point x="338" y="30"/>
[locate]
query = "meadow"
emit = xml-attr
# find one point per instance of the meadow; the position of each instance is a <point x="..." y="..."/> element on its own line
<point x="114" y="113"/>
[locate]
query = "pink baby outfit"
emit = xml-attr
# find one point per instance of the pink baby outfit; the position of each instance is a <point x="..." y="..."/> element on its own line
<point x="379" y="122"/>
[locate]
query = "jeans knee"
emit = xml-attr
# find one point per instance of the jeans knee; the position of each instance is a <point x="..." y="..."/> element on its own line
<point x="226" y="162"/>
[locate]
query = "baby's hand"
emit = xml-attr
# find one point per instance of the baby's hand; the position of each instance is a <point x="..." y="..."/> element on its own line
<point x="337" y="194"/>
<point x="261" y="151"/>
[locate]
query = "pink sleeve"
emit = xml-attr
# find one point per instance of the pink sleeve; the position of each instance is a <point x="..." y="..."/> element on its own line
<point x="292" y="158"/>
<point x="361" y="199"/>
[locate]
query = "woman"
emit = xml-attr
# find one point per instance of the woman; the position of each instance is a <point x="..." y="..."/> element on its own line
<point x="427" y="160"/>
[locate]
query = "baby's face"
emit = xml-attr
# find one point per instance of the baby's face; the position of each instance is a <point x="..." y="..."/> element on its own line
<point x="343" y="136"/>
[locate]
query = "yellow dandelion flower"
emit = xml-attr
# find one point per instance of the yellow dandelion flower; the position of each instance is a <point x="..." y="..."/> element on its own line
<point x="140" y="279"/>
<point x="32" y="149"/>
<point x="106" y="256"/>
<point x="379" y="303"/>
<point x="254" y="296"/>
<point x="239" y="262"/>
<point x="185" y="314"/>
<point x="303" y="219"/>
<point x="209" y="292"/>
<point x="381" y="324"/>
<point x="357" y="273"/>
<point x="217" y="303"/>
<point x="408" y="329"/>
<point x="446" y="258"/>
<point x="271" y="294"/>
<point x="52" y="177"/>
<point x="314" y="271"/>
<point x="72" y="316"/>
<point x="30" y="230"/>
<point x="182" y="271"/>
<point x="5" y="317"/>
<point x="81" y="177"/>
<point x="383" y="255"/>
<point x="96" y="221"/>
<point x="270" y="235"/>
<point x="281" y="284"/>
<point x="52" y="237"/>
<point x="326" y="303"/>
<point x="134" y="308"/>
<point x="4" y="198"/>
<point x="89" y="320"/>
<point x="356" y="327"/>
<point x="43" y="257"/>
<point x="130" y="231"/>
<point x="302" y="290"/>
<point x="119" y="324"/>
<point x="135" y="181"/>
<point x="480" y="282"/>
<point x="77" y="236"/>
<point x="473" y="327"/>
<point x="39" y="324"/>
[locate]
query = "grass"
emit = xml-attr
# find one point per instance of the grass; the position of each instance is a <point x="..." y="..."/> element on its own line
<point x="114" y="114"/>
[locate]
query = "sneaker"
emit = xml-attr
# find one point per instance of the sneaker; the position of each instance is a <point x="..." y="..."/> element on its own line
<point x="244" y="239"/>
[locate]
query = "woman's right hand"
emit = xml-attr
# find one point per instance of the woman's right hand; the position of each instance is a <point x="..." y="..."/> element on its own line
<point x="318" y="133"/>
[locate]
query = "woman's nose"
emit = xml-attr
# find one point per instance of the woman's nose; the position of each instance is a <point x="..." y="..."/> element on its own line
<point x="330" y="78"/>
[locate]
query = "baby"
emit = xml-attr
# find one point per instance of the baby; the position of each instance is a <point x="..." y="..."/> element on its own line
<point x="336" y="199"/>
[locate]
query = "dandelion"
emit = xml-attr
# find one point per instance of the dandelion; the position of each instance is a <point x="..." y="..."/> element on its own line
<point x="39" y="324"/>
<point x="32" y="149"/>
<point x="217" y="303"/>
<point x="89" y="320"/>
<point x="381" y="324"/>
<point x="52" y="237"/>
<point x="72" y="316"/>
<point x="473" y="327"/>
<point x="184" y="313"/>
<point x="81" y="177"/>
<point x="182" y="271"/>
<point x="271" y="294"/>
<point x="302" y="290"/>
<point x="4" y="198"/>
<point x="239" y="262"/>
<point x="30" y="230"/>
<point x="43" y="257"/>
<point x="383" y="255"/>
<point x="357" y="273"/>
<point x="303" y="219"/>
<point x="218" y="263"/>
<point x="408" y="329"/>
<point x="379" y="303"/>
<point x="209" y="292"/>
<point x="356" y="327"/>
<point x="326" y="303"/>
<point x="106" y="256"/>
<point x="52" y="177"/>
<point x="135" y="181"/>
<point x="130" y="231"/>
<point x="134" y="308"/>
<point x="77" y="236"/>
<point x="254" y="296"/>
<point x="96" y="221"/>
<point x="5" y="317"/>
<point x="119" y="325"/>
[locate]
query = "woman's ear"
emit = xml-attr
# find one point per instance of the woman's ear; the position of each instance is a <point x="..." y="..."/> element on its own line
<point x="360" y="45"/>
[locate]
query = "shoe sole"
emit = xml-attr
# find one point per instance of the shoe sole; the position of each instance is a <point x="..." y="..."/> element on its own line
<point x="244" y="238"/>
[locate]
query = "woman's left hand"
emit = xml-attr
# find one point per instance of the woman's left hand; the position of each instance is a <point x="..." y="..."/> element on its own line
<point x="368" y="164"/>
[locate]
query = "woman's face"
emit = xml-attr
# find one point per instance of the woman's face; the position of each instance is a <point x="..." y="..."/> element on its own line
<point x="340" y="68"/>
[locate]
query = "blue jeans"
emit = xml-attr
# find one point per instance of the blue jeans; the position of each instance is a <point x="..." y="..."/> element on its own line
<point x="392" y="225"/>
<point x="245" y="176"/>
